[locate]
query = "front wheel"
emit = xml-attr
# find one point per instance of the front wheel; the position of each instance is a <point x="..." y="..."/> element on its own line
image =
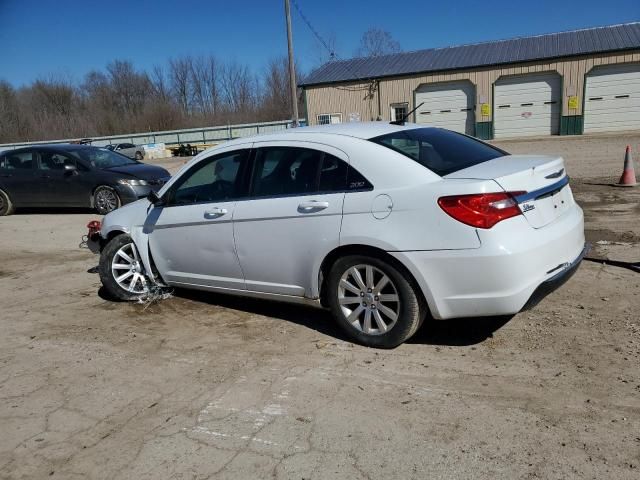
<point x="373" y="302"/>
<point x="105" y="200"/>
<point x="6" y="207"/>
<point x="121" y="270"/>
<point x="139" y="156"/>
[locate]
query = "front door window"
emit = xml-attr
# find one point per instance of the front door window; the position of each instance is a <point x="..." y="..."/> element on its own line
<point x="213" y="180"/>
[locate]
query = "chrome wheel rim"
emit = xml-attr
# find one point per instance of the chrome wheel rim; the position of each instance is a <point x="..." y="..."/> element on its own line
<point x="368" y="299"/>
<point x="106" y="200"/>
<point x="127" y="270"/>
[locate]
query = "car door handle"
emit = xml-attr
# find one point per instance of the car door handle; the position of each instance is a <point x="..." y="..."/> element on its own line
<point x="6" y="175"/>
<point x="215" y="212"/>
<point x="45" y="176"/>
<point x="312" y="206"/>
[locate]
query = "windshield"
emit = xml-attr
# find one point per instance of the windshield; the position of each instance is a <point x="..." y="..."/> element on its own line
<point x="441" y="151"/>
<point x="101" y="158"/>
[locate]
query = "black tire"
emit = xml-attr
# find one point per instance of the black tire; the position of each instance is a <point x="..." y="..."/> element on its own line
<point x="411" y="308"/>
<point x="6" y="207"/>
<point x="103" y="206"/>
<point x="139" y="156"/>
<point x="106" y="274"/>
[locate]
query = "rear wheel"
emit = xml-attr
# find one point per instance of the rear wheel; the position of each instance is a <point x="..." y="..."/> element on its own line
<point x="121" y="270"/>
<point x="6" y="207"/>
<point x="105" y="200"/>
<point x="373" y="301"/>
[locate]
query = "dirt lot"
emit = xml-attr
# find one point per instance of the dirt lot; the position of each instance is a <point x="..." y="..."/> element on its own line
<point x="205" y="386"/>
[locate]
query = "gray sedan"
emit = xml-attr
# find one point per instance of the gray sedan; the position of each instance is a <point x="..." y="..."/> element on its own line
<point x="128" y="150"/>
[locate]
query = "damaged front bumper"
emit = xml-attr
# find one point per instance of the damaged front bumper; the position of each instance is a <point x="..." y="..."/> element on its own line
<point x="93" y="240"/>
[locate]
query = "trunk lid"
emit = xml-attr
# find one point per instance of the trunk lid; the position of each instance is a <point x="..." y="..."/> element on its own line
<point x="543" y="178"/>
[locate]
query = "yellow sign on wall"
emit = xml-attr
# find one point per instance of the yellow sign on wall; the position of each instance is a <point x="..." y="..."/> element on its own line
<point x="485" y="109"/>
<point x="573" y="102"/>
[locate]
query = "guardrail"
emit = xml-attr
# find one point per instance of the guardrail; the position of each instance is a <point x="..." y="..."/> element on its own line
<point x="176" y="137"/>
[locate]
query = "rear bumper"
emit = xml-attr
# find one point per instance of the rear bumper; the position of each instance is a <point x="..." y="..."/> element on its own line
<point x="501" y="276"/>
<point x="555" y="282"/>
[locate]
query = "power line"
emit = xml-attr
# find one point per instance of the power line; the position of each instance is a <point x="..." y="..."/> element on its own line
<point x="371" y="84"/>
<point x="325" y="44"/>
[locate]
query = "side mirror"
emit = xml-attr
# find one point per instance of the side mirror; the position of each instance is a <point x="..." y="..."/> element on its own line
<point x="155" y="200"/>
<point x="70" y="169"/>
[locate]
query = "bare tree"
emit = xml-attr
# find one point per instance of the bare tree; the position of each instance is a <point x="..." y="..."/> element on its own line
<point x="12" y="126"/>
<point x="238" y="88"/>
<point x="130" y="88"/>
<point x="376" y="42"/>
<point x="180" y="80"/>
<point x="52" y="105"/>
<point x="205" y="78"/>
<point x="186" y="92"/>
<point x="159" y="85"/>
<point x="276" y="100"/>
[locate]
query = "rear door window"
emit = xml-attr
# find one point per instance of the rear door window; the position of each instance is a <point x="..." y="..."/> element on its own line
<point x="333" y="174"/>
<point x="441" y="151"/>
<point x="281" y="171"/>
<point x="338" y="176"/>
<point x="16" y="161"/>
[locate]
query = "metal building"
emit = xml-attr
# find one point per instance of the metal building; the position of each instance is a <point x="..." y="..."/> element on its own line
<point x="566" y="83"/>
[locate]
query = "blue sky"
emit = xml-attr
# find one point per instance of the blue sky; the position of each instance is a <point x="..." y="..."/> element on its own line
<point x="39" y="38"/>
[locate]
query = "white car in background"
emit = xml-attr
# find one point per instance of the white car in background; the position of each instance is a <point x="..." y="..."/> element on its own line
<point x="384" y="224"/>
<point x="128" y="150"/>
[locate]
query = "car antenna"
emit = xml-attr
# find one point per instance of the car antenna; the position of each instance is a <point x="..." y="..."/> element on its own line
<point x="405" y="116"/>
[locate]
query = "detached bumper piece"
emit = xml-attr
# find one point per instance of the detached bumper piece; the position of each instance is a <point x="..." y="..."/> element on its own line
<point x="556" y="281"/>
<point x="92" y="240"/>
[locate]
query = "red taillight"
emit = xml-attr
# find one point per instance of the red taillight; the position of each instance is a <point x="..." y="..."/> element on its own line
<point x="481" y="210"/>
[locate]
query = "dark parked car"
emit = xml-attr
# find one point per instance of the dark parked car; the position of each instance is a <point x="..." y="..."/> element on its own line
<point x="73" y="176"/>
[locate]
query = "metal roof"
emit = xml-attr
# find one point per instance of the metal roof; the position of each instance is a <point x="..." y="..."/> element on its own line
<point x="525" y="49"/>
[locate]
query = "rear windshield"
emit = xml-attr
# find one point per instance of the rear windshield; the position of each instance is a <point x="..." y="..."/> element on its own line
<point x="441" y="151"/>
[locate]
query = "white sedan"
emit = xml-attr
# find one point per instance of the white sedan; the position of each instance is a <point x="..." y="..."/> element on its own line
<point x="384" y="224"/>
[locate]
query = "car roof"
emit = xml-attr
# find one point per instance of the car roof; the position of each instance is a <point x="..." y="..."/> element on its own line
<point x="359" y="130"/>
<point x="364" y="130"/>
<point x="62" y="147"/>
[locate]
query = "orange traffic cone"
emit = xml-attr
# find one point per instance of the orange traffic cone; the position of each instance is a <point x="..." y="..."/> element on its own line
<point x="628" y="178"/>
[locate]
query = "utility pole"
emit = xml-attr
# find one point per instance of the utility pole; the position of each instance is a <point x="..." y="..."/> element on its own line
<point x="292" y="66"/>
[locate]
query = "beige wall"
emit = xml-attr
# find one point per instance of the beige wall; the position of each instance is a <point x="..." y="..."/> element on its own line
<point x="355" y="97"/>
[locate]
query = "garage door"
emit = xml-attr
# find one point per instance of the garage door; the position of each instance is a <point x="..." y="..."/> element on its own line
<point x="527" y="106"/>
<point x="447" y="105"/>
<point x="612" y="99"/>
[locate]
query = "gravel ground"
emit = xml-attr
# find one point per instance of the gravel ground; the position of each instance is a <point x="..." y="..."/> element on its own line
<point x="586" y="156"/>
<point x="206" y="386"/>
